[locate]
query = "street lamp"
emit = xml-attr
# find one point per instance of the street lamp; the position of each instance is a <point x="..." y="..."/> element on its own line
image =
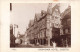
<point x="15" y="26"/>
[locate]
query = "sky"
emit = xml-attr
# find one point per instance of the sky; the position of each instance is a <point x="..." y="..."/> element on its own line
<point x="22" y="13"/>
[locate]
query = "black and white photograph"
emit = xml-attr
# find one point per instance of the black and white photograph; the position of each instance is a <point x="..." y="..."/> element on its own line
<point x="40" y="25"/>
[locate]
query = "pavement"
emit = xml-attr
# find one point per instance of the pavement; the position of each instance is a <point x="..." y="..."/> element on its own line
<point x="33" y="46"/>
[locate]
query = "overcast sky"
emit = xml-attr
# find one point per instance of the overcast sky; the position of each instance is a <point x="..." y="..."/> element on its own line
<point x="22" y="13"/>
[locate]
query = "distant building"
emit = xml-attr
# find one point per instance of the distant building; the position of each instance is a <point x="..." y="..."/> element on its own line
<point x="66" y="26"/>
<point x="12" y="37"/>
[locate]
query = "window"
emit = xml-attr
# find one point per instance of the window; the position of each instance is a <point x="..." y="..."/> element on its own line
<point x="66" y="31"/>
<point x="56" y="9"/>
<point x="56" y="25"/>
<point x="68" y="21"/>
<point x="56" y="17"/>
<point x="69" y="30"/>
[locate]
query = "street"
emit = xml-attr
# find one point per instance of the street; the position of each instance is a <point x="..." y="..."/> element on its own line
<point x="33" y="46"/>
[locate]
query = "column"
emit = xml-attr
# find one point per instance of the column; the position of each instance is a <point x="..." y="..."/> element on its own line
<point x="62" y="42"/>
<point x="37" y="41"/>
<point x="66" y="43"/>
<point x="48" y="41"/>
<point x="42" y="41"/>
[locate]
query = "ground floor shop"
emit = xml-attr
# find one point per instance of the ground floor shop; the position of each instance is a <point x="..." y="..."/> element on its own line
<point x="61" y="41"/>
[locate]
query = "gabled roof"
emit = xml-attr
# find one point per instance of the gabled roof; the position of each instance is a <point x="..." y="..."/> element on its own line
<point x="43" y="13"/>
<point x="56" y="7"/>
<point x="66" y="12"/>
<point x="37" y="16"/>
<point x="31" y="23"/>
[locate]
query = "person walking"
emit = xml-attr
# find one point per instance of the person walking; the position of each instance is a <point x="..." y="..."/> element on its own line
<point x="54" y="44"/>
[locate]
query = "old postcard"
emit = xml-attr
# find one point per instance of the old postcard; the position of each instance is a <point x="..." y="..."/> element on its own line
<point x="37" y="26"/>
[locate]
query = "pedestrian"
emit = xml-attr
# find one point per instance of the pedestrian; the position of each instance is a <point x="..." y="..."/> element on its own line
<point x="54" y="44"/>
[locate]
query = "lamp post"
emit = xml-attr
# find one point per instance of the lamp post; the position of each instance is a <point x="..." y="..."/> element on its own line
<point x="15" y="26"/>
